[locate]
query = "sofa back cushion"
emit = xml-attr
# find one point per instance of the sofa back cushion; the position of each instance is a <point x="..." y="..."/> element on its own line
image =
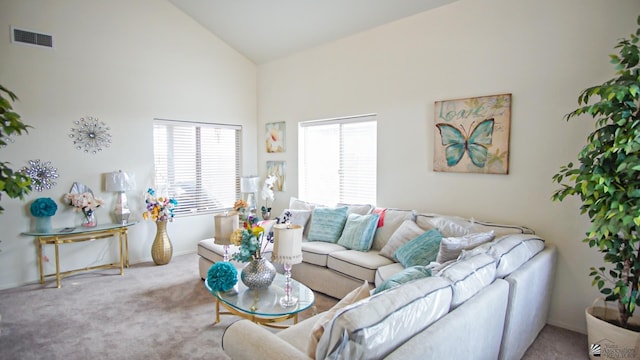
<point x="326" y="223"/>
<point x="360" y="209"/>
<point x="469" y="276"/>
<point x="374" y="327"/>
<point x="454" y="226"/>
<point x="509" y="251"/>
<point x="391" y="220"/>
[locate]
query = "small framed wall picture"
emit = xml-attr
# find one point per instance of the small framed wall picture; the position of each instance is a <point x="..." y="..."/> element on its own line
<point x="277" y="169"/>
<point x="275" y="137"/>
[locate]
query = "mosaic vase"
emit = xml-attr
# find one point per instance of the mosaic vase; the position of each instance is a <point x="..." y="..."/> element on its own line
<point x="258" y="274"/>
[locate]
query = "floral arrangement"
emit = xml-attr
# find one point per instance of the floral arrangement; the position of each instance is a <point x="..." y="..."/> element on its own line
<point x="268" y="196"/>
<point x="222" y="276"/>
<point x="85" y="202"/>
<point x="249" y="236"/>
<point x="160" y="208"/>
<point x="43" y="207"/>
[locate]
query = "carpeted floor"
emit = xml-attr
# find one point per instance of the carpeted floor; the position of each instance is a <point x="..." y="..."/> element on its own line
<point x="151" y="312"/>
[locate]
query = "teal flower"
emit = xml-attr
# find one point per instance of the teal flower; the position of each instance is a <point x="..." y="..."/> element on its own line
<point x="43" y="207"/>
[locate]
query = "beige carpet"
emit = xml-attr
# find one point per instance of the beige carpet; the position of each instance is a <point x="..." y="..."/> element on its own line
<point x="151" y="312"/>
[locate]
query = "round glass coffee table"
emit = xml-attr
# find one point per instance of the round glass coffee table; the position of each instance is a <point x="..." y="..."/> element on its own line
<point x="263" y="306"/>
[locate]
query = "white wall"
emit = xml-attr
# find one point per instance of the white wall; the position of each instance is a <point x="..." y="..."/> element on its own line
<point x="126" y="62"/>
<point x="543" y="52"/>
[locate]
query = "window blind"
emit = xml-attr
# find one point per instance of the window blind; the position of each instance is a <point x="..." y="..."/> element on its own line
<point x="338" y="160"/>
<point x="198" y="164"/>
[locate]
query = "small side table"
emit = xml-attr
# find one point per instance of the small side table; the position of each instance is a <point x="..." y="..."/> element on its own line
<point x="262" y="306"/>
<point x="80" y="234"/>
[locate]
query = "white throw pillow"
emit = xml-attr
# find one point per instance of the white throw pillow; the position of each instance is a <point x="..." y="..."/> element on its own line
<point x="451" y="247"/>
<point x="407" y="231"/>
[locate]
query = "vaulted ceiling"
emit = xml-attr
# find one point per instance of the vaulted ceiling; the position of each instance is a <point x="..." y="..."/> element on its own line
<point x="264" y="30"/>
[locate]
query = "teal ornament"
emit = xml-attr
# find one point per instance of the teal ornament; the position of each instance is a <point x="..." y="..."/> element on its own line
<point x="222" y="276"/>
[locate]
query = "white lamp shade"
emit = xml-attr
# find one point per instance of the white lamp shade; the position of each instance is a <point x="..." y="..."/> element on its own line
<point x="117" y="181"/>
<point x="287" y="245"/>
<point x="225" y="225"/>
<point x="249" y="184"/>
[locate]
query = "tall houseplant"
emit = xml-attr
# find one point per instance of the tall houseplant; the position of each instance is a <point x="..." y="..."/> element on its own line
<point x="607" y="178"/>
<point x="13" y="183"/>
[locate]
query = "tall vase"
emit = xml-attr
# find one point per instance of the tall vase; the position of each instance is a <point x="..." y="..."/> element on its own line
<point x="161" y="250"/>
<point x="43" y="224"/>
<point x="258" y="274"/>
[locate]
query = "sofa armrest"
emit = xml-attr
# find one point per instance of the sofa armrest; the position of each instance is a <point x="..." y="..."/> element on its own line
<point x="246" y="340"/>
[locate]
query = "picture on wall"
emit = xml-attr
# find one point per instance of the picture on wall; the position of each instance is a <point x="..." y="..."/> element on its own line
<point x="275" y="136"/>
<point x="277" y="169"/>
<point x="472" y="135"/>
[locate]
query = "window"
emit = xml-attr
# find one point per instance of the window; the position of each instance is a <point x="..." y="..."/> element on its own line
<point x="198" y="164"/>
<point x="337" y="160"/>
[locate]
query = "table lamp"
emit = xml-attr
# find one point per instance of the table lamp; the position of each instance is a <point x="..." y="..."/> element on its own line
<point x="120" y="182"/>
<point x="249" y="185"/>
<point x="287" y="250"/>
<point x="226" y="223"/>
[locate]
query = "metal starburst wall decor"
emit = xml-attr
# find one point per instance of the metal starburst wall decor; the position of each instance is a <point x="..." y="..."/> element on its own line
<point x="42" y="174"/>
<point x="90" y="135"/>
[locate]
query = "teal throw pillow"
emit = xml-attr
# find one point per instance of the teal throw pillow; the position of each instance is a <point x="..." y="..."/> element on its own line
<point x="404" y="276"/>
<point x="421" y="250"/>
<point x="327" y="223"/>
<point x="358" y="232"/>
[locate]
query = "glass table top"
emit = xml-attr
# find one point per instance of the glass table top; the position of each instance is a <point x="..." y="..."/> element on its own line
<point x="265" y="302"/>
<point x="79" y="229"/>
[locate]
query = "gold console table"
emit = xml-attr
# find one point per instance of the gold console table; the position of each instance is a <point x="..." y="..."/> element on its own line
<point x="80" y="234"/>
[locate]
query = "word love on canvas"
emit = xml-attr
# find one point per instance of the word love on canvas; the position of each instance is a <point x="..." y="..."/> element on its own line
<point x="455" y="114"/>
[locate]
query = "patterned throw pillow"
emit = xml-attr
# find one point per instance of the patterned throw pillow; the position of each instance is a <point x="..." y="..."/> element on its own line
<point x="358" y="232"/>
<point x="327" y="223"/>
<point x="420" y="251"/>
<point x="406" y="275"/>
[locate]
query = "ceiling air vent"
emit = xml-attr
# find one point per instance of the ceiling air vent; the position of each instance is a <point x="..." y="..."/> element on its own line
<point x="32" y="38"/>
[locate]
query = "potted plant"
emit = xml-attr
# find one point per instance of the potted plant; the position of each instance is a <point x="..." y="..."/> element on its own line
<point x="607" y="179"/>
<point x="15" y="184"/>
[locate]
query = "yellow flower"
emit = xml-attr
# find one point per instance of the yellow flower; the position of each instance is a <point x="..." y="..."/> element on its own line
<point x="236" y="237"/>
<point x="257" y="230"/>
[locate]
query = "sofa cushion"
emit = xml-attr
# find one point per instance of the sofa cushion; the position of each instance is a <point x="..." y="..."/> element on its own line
<point x="425" y="221"/>
<point x="317" y="330"/>
<point x="509" y="251"/>
<point x="405" y="276"/>
<point x="360" y="209"/>
<point x="451" y="247"/>
<point x="358" y="231"/>
<point x="327" y="223"/>
<point x="377" y="325"/>
<point x="449" y="226"/>
<point x="469" y="276"/>
<point x="386" y="271"/>
<point x="357" y="264"/>
<point x="393" y="218"/>
<point x="420" y="251"/>
<point x="408" y="230"/>
<point x="316" y="252"/>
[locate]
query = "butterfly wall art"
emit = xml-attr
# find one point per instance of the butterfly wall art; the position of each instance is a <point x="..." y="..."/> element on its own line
<point x="472" y="135"/>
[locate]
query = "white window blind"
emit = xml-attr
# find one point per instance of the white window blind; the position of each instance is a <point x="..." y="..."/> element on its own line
<point x="338" y="160"/>
<point x="198" y="164"/>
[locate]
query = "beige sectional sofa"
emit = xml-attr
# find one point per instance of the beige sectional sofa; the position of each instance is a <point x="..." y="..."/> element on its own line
<point x="489" y="302"/>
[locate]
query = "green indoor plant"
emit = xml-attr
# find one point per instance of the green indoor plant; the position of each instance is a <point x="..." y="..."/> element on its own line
<point x="15" y="184"/>
<point x="607" y="178"/>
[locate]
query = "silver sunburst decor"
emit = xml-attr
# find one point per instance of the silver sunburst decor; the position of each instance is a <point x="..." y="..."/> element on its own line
<point x="42" y="174"/>
<point x="90" y="135"/>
